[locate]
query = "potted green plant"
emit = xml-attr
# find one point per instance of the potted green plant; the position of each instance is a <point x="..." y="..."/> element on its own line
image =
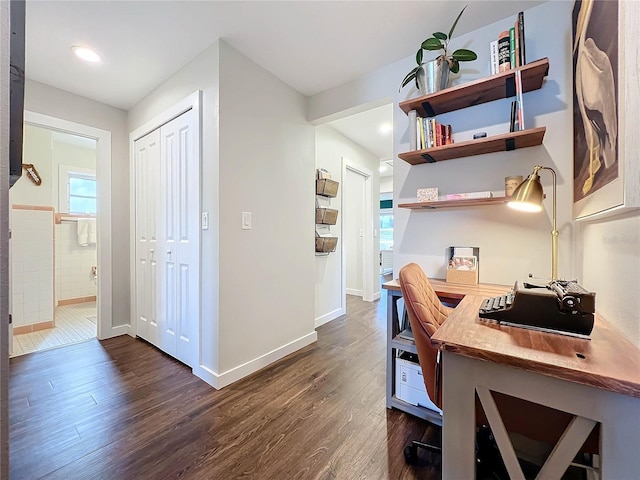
<point x="432" y="76"/>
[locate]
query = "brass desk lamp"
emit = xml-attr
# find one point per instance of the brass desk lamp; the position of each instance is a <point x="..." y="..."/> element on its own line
<point x="527" y="197"/>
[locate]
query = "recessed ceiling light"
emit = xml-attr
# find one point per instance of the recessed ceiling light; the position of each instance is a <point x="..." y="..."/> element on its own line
<point x="383" y="168"/>
<point x="86" y="54"/>
<point x="385" y="128"/>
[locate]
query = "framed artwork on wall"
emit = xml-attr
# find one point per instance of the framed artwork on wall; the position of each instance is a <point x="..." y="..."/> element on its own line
<point x="606" y="177"/>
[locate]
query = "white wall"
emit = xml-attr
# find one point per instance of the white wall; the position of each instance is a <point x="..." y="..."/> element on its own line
<point x="257" y="156"/>
<point x="611" y="268"/>
<point x="266" y="168"/>
<point x="386" y="184"/>
<point x="46" y="100"/>
<point x="37" y="151"/>
<point x="331" y="148"/>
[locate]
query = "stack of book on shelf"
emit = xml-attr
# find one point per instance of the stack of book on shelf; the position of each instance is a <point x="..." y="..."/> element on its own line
<point x="508" y="51"/>
<point x="428" y="132"/>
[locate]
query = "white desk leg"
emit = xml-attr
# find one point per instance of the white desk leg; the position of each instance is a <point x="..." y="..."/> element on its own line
<point x="458" y="420"/>
<point x="620" y="437"/>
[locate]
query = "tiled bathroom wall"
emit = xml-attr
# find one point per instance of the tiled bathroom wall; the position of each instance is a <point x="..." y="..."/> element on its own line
<point x="32" y="264"/>
<point x="74" y="277"/>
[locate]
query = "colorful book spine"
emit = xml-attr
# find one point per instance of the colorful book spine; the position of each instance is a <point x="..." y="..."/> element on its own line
<point x="517" y="41"/>
<point x="512" y="47"/>
<point x="434" y="135"/>
<point x="521" y="42"/>
<point x="413" y="137"/>
<point x="504" y="58"/>
<point x="493" y="47"/>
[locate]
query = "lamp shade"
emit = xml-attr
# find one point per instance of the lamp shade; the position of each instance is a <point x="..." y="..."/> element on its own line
<point x="528" y="195"/>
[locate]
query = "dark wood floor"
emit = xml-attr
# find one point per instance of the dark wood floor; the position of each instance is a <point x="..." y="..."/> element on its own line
<point x="120" y="409"/>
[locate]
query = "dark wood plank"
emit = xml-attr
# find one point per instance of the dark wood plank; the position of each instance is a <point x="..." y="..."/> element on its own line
<point x="607" y="360"/>
<point x="496" y="143"/>
<point x="122" y="409"/>
<point x="476" y="92"/>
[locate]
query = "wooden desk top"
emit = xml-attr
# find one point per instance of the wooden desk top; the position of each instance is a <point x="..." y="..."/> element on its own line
<point x="454" y="290"/>
<point x="610" y="361"/>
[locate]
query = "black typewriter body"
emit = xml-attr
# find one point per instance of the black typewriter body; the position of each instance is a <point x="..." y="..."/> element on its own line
<point x="559" y="306"/>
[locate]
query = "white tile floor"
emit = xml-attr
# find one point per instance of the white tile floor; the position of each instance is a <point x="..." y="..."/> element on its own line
<point x="72" y="326"/>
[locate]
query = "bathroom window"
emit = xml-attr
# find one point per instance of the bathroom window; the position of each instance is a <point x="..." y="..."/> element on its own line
<point x="82" y="193"/>
<point x="77" y="190"/>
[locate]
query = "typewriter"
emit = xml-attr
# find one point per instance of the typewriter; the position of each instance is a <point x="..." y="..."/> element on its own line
<point x="559" y="307"/>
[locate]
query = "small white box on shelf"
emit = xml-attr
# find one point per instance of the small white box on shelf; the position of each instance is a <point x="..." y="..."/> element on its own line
<point x="428" y="194"/>
<point x="468" y="195"/>
<point x="410" y="385"/>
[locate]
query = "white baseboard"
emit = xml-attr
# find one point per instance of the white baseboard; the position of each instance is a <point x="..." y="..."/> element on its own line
<point x="220" y="380"/>
<point x="330" y="316"/>
<point x="117" y="331"/>
<point x="376" y="296"/>
<point x="353" y="291"/>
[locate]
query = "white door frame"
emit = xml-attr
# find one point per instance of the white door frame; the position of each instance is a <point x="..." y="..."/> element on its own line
<point x="192" y="102"/>
<point x="369" y="275"/>
<point x="103" y="220"/>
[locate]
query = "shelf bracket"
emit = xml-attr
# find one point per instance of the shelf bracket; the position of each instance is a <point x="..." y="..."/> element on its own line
<point x="428" y="109"/>
<point x="428" y="158"/>
<point x="510" y="86"/>
<point x="509" y="144"/>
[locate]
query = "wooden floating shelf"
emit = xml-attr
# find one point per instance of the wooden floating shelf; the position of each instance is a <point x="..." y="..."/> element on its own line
<point x="470" y="202"/>
<point x="468" y="148"/>
<point x="488" y="89"/>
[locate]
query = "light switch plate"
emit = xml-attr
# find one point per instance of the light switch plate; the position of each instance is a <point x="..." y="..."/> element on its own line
<point x="246" y="220"/>
<point x="205" y="220"/>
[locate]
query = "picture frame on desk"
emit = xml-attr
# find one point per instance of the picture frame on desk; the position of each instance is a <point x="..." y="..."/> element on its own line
<point x="606" y="179"/>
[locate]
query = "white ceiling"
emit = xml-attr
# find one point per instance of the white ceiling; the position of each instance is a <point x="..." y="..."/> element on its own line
<point x="377" y="142"/>
<point x="310" y="45"/>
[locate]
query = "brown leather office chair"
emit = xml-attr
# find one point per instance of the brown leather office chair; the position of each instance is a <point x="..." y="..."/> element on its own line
<point x="426" y="314"/>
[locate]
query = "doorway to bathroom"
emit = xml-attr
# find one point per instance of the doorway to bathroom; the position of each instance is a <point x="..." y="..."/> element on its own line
<point x="53" y="246"/>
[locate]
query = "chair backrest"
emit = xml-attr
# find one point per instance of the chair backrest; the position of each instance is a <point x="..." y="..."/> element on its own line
<point x="426" y="314"/>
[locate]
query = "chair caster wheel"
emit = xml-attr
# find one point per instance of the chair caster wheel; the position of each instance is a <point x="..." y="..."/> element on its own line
<point x="410" y="454"/>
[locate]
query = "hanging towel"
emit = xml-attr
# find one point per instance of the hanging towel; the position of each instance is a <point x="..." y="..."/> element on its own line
<point x="86" y="231"/>
<point x="92" y="231"/>
<point x="83" y="231"/>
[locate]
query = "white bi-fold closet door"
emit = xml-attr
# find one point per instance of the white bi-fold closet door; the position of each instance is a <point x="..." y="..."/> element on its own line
<point x="167" y="196"/>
